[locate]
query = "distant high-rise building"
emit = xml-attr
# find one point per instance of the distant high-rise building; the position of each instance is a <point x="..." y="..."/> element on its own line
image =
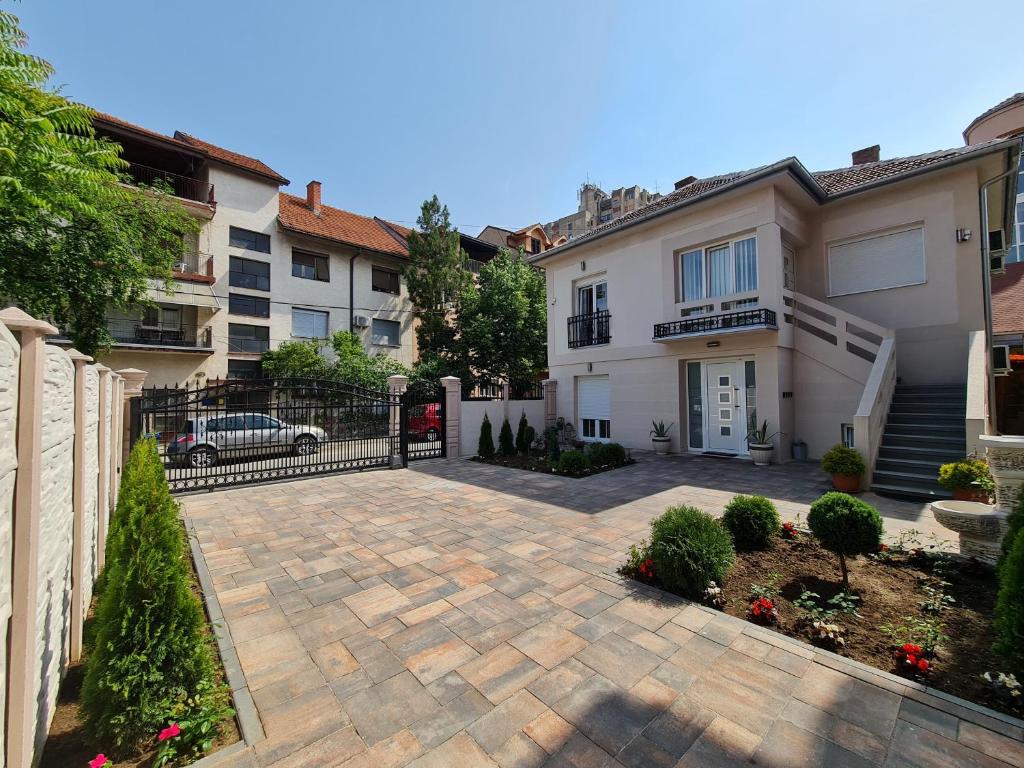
<point x="598" y="207"/>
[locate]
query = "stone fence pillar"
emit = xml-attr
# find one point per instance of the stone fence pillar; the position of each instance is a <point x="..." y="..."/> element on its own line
<point x="105" y="450"/>
<point x="452" y="415"/>
<point x="23" y="655"/>
<point x="78" y="504"/>
<point x="550" y="388"/>
<point x="396" y="387"/>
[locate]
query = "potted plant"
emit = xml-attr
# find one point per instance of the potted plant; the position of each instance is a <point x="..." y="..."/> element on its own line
<point x="846" y="467"/>
<point x="760" y="444"/>
<point x="969" y="480"/>
<point x="659" y="436"/>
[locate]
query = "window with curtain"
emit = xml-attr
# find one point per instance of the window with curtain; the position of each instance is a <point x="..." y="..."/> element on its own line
<point x="693" y="275"/>
<point x="720" y="270"/>
<point x="386" y="333"/>
<point x="745" y="258"/>
<point x="309" y="324"/>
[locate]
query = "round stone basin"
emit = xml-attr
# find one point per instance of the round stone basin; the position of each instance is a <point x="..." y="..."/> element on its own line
<point x="970" y="518"/>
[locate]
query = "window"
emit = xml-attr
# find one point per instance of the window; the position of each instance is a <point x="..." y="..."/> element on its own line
<point x="874" y="263"/>
<point x="594" y="409"/>
<point x="245" y="369"/>
<point x="259" y="421"/>
<point x="246" y="273"/>
<point x="248" y="338"/>
<point x="386" y="333"/>
<point x="630" y="194"/>
<point x="534" y="245"/>
<point x="788" y="268"/>
<point x="251" y="241"/>
<point x="385" y="281"/>
<point x="254" y="306"/>
<point x="846" y="435"/>
<point x="166" y="318"/>
<point x="309" y="266"/>
<point x="719" y="270"/>
<point x="309" y="323"/>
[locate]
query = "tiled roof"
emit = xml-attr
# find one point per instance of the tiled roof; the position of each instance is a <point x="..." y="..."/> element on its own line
<point x="228" y="157"/>
<point x="1008" y="300"/>
<point x="338" y="225"/>
<point x="1015" y="99"/>
<point x="104" y="117"/>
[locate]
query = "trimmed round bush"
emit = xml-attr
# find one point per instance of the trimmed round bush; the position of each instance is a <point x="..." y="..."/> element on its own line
<point x="690" y="549"/>
<point x="573" y="463"/>
<point x="847" y="526"/>
<point x="841" y="460"/>
<point x="964" y="475"/>
<point x="607" y="454"/>
<point x="753" y="522"/>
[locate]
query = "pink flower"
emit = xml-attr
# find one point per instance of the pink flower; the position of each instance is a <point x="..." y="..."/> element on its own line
<point x="169" y="732"/>
<point x="99" y="761"/>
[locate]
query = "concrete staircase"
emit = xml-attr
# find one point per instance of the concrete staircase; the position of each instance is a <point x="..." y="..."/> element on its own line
<point x="924" y="429"/>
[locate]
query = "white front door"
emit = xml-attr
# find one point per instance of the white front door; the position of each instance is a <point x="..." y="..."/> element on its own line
<point x="724" y="407"/>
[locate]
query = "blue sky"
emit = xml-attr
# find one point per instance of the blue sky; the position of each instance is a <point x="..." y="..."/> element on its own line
<point x="503" y="109"/>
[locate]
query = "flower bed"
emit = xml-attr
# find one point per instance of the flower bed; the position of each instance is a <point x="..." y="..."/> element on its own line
<point x="537" y="462"/>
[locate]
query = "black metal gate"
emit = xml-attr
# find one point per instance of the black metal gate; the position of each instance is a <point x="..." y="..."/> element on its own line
<point x="423" y="421"/>
<point x="253" y="431"/>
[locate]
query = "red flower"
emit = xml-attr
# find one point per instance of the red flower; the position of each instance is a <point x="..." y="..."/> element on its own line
<point x="757" y="609"/>
<point x="883" y="547"/>
<point x="911" y="659"/>
<point x="99" y="761"/>
<point x="169" y="732"/>
<point x="923" y="665"/>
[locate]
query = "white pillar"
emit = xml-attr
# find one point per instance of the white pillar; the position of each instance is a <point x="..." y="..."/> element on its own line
<point x="452" y="415"/>
<point x="78" y="503"/>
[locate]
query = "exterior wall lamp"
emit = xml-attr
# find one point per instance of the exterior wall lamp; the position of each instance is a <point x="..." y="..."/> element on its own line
<point x="963" y="234"/>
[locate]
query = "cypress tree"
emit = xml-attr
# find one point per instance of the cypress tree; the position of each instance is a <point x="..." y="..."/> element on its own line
<point x="506" y="443"/>
<point x="485" y="446"/>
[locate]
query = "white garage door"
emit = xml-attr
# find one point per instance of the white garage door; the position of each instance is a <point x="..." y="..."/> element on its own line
<point x="594" y="408"/>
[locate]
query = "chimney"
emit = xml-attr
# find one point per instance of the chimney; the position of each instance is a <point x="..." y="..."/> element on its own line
<point x="866" y="155"/>
<point x="683" y="182"/>
<point x="313" y="197"/>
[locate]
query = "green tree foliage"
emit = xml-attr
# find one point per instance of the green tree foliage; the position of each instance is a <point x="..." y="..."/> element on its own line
<point x="506" y="442"/>
<point x="522" y="445"/>
<point x="349" y="362"/>
<point x="151" y="653"/>
<point x="485" y="446"/>
<point x="73" y="241"/>
<point x="435" y="277"/>
<point x="847" y="526"/>
<point x="690" y="549"/>
<point x="296" y="359"/>
<point x="753" y="522"/>
<point x="1009" y="614"/>
<point x="502" y="321"/>
<point x="1014" y="524"/>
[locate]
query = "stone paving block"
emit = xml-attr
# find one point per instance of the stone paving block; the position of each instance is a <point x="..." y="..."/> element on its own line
<point x="329" y="752"/>
<point x="501" y="672"/>
<point x="992" y="744"/>
<point x="641" y="753"/>
<point x="275" y="685"/>
<point x="697" y="655"/>
<point x="501" y="723"/>
<point x="453" y="717"/>
<point x="373" y="606"/>
<point x="836" y="729"/>
<point x="269" y="651"/>
<point x="619" y="660"/>
<point x="723" y="744"/>
<point x="334" y="660"/>
<point x="646" y="639"/>
<point x="548" y="644"/>
<point x="515" y="584"/>
<point x="430" y="650"/>
<point x="581" y="752"/>
<point x="255" y="625"/>
<point x="460" y="750"/>
<point x="298" y="722"/>
<point x="585" y="600"/>
<point x="675" y="729"/>
<point x="520" y="752"/>
<point x="651" y="614"/>
<point x="377" y="660"/>
<point x="393" y="752"/>
<point x="550" y="731"/>
<point x="388" y="707"/>
<point x="857" y="702"/>
<point x="608" y="715"/>
<point x="933" y="719"/>
<point x="560" y="682"/>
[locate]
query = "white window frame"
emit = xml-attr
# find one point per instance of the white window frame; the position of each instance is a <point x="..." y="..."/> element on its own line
<point x="705" y="295"/>
<point x="590" y="283"/>
<point x="316" y="313"/>
<point x="918" y="226"/>
<point x="600" y="429"/>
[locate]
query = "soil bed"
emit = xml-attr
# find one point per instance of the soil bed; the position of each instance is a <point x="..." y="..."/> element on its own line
<point x="888" y="590"/>
<point x="534" y="463"/>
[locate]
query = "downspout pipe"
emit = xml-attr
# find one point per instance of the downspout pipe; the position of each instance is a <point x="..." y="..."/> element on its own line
<point x="352" y="290"/>
<point x="986" y="270"/>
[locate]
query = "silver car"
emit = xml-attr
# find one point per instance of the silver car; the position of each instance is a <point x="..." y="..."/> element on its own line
<point x="204" y="439"/>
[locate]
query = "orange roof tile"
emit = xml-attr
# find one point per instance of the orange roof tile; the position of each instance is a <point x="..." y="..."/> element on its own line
<point x="228" y="157"/>
<point x="1008" y="300"/>
<point x="338" y="225"/>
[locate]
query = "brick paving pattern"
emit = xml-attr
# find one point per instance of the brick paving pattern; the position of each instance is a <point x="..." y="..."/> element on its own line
<point x="455" y="614"/>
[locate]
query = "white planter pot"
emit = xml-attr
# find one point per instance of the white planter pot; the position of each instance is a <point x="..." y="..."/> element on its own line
<point x="661" y="444"/>
<point x="761" y="454"/>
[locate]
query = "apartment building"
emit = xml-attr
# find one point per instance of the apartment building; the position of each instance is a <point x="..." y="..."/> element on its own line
<point x="267" y="267"/>
<point x="596" y="207"/>
<point x="840" y="306"/>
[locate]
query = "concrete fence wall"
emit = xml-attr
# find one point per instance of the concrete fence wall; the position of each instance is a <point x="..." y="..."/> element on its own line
<point x="472" y="416"/>
<point x="61" y="453"/>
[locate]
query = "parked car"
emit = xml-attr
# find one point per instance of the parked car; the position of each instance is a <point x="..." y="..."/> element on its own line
<point x="425" y="421"/>
<point x="204" y="439"/>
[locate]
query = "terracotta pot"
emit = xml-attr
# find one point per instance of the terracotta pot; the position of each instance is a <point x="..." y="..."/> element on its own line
<point x="970" y="494"/>
<point x="846" y="483"/>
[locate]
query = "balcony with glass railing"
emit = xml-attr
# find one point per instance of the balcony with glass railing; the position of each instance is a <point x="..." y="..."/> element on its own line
<point x="160" y="335"/>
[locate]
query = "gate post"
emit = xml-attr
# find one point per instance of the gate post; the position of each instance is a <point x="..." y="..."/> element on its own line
<point x="452" y="405"/>
<point x="396" y="387"/>
<point x="550" y="387"/>
<point x="78" y="606"/>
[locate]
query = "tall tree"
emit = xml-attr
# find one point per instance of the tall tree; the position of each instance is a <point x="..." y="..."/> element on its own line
<point x="435" y="276"/>
<point x="73" y="240"/>
<point x="502" y="321"/>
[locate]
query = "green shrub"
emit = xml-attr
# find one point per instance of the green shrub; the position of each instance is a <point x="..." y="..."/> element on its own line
<point x="573" y="463"/>
<point x="151" y="654"/>
<point x="969" y="474"/>
<point x="1014" y="524"/>
<point x="522" y="446"/>
<point x="551" y="445"/>
<point x="1009" y="614"/>
<point x="607" y="455"/>
<point x="841" y="460"/>
<point x="753" y="522"/>
<point x="485" y="445"/>
<point x="846" y="526"/>
<point x="531" y="436"/>
<point x="690" y="549"/>
<point x="506" y="443"/>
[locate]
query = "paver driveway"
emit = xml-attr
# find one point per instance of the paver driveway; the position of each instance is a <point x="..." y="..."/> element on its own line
<point x="455" y="614"/>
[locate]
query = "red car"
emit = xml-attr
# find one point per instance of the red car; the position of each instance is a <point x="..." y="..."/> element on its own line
<point x="425" y="421"/>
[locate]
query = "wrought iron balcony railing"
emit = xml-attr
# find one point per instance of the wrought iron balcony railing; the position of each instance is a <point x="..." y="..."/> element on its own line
<point x="705" y="324"/>
<point x="159" y="335"/>
<point x="590" y="329"/>
<point x="181" y="186"/>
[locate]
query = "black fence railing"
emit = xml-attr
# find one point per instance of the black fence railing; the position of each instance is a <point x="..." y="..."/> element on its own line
<point x="159" y="334"/>
<point x="181" y="186"/>
<point x="749" y="318"/>
<point x="590" y="329"/>
<point x="491" y="389"/>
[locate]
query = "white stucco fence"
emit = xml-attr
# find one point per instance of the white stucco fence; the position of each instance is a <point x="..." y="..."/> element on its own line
<point x="472" y="412"/>
<point x="61" y="453"/>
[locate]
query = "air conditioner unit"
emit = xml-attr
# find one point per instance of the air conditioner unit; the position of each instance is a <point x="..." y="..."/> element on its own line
<point x="1001" y="360"/>
<point x="361" y="321"/>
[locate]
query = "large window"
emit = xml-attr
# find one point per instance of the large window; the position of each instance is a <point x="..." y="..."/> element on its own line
<point x="386" y="333"/>
<point x="385" y="281"/>
<point x="310" y="266"/>
<point x="246" y="273"/>
<point x="245" y="369"/>
<point x="890" y="260"/>
<point x="248" y="338"/>
<point x="251" y="241"/>
<point x="309" y="323"/>
<point x="719" y="270"/>
<point x="253" y="306"/>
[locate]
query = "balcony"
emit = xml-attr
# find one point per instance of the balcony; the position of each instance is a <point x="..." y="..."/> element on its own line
<point x="194" y="266"/>
<point x="728" y="322"/>
<point x="181" y="186"/>
<point x="590" y="329"/>
<point x="247" y="344"/>
<point x="160" y="335"/>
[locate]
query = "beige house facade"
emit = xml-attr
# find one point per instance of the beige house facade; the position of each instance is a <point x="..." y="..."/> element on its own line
<point x="800" y="299"/>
